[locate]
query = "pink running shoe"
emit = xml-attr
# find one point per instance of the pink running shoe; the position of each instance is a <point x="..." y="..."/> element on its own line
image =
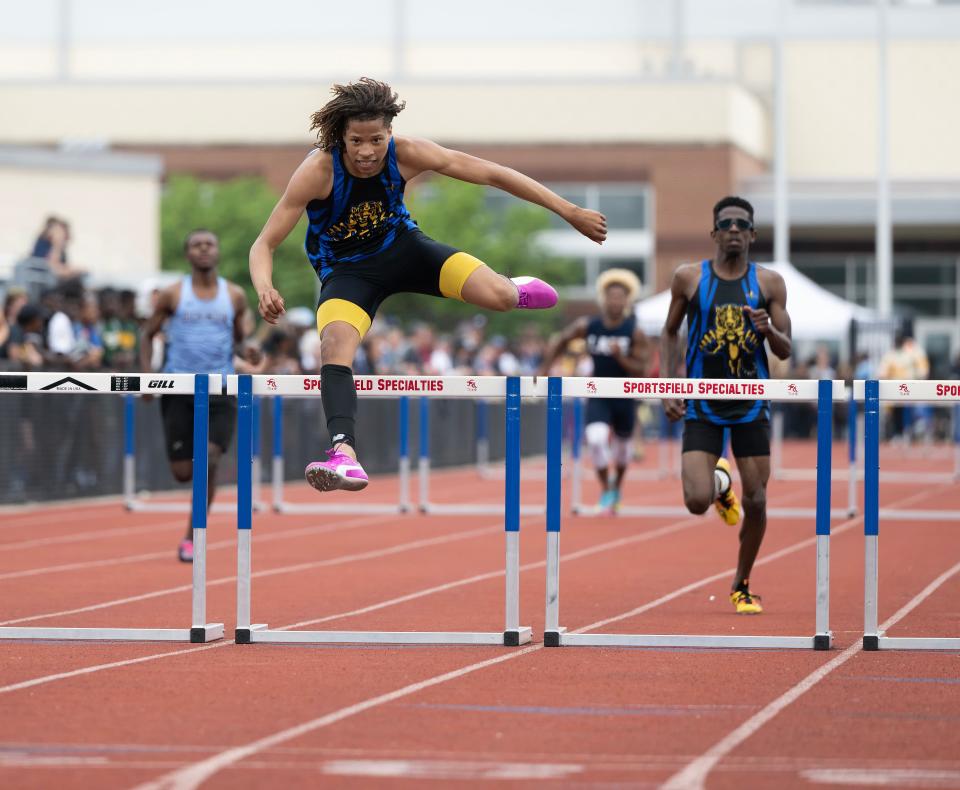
<point x="339" y="471"/>
<point x="185" y="550"/>
<point x="535" y="294"/>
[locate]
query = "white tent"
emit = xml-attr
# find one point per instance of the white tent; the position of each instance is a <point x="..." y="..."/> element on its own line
<point x="816" y="313"/>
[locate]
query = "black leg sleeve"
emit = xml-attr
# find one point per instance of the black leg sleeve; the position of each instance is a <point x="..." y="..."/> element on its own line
<point x="339" y="396"/>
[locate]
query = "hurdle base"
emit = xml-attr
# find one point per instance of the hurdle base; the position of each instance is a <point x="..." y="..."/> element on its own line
<point x="208" y="633"/>
<point x="912" y="643"/>
<point x="553" y="638"/>
<point x="682" y="640"/>
<point x="823" y="641"/>
<point x="514" y="637"/>
<point x="291" y="508"/>
<point x="268" y="636"/>
<point x="242" y="635"/>
<point x="871" y="642"/>
<point x="211" y="632"/>
<point x="478" y="509"/>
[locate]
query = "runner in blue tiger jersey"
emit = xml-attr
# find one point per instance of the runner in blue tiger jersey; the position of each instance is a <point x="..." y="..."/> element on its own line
<point x="733" y="307"/>
<point x="364" y="246"/>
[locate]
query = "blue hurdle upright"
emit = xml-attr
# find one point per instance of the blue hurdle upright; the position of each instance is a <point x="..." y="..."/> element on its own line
<point x="385" y="386"/>
<point x="199" y="386"/>
<point x="873" y="394"/>
<point x="823" y="392"/>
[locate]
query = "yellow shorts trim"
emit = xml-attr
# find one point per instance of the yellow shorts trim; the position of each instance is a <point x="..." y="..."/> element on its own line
<point x="454" y="273"/>
<point x="342" y="310"/>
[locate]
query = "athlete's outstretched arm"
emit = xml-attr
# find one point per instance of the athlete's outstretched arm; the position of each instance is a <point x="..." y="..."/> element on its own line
<point x="313" y="179"/>
<point x="774" y="322"/>
<point x="417" y="156"/>
<point x="559" y="342"/>
<point x="670" y="337"/>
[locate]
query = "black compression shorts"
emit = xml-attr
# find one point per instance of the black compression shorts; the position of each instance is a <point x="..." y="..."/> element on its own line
<point x="619" y="413"/>
<point x="177" y="411"/>
<point x="414" y="263"/>
<point x="748" y="439"/>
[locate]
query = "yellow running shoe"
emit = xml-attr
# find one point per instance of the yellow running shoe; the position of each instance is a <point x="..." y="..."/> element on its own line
<point x="727" y="504"/>
<point x="745" y="602"/>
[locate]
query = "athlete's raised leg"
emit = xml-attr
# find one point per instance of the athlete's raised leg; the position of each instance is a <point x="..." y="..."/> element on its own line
<point x="485" y="288"/>
<point x="697" y="474"/>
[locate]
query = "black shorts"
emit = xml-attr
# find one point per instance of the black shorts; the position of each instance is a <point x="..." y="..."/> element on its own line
<point x="750" y="438"/>
<point x="177" y="412"/>
<point x="414" y="263"/>
<point x="619" y="413"/>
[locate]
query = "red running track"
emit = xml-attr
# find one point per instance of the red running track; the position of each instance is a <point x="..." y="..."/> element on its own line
<point x="232" y="716"/>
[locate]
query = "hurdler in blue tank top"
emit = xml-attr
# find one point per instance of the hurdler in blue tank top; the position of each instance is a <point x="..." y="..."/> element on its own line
<point x="200" y="332"/>
<point x="360" y="217"/>
<point x="722" y="343"/>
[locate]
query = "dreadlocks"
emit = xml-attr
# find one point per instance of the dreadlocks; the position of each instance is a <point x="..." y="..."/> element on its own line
<point x="364" y="100"/>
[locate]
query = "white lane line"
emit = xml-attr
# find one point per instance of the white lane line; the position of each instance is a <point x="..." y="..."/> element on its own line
<point x="100" y="667"/>
<point x="333" y="561"/>
<point x="267" y="537"/>
<point x="694" y="775"/>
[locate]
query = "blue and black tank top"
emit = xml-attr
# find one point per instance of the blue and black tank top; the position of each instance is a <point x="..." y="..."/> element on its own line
<point x="722" y="343"/>
<point x="602" y="340"/>
<point x="360" y="217"/>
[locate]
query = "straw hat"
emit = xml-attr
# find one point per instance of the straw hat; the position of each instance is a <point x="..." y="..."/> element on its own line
<point x="622" y="277"/>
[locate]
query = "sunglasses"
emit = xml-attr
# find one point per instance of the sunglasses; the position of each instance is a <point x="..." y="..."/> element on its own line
<point x="742" y="224"/>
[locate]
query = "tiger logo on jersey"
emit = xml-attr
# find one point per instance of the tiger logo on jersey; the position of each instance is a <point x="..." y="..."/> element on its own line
<point x="731" y="338"/>
<point x="364" y="219"/>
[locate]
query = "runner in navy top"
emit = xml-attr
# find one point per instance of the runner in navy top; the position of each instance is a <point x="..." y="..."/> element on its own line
<point x="618" y="349"/>
<point x="732" y="307"/>
<point x="364" y="246"/>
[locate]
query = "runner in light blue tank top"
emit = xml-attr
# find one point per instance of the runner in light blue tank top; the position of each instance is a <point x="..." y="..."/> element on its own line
<point x="203" y="314"/>
<point x="200" y="332"/>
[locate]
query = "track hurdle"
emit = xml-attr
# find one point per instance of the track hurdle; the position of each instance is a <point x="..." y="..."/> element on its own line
<point x="528" y="388"/>
<point x="402" y="505"/>
<point x="823" y="392"/>
<point x="873" y="393"/>
<point x="613" y="388"/>
<point x="385" y="386"/>
<point x="134" y="502"/>
<point x="199" y="386"/>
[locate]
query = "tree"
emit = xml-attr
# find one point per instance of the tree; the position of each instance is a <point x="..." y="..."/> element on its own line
<point x="235" y="210"/>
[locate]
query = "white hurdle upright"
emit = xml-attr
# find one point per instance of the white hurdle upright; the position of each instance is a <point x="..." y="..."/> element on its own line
<point x="386" y="386"/>
<point x="199" y="386"/>
<point x="823" y="392"/>
<point x="280" y="505"/>
<point x="873" y="393"/>
<point x="138" y="503"/>
<point x="613" y="388"/>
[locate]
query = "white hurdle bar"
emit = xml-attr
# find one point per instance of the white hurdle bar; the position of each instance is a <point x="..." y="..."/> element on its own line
<point x="873" y="393"/>
<point x="669" y="511"/>
<point x="137" y="503"/>
<point x="199" y="386"/>
<point x="280" y="505"/>
<point x="823" y="392"/>
<point x="512" y="389"/>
